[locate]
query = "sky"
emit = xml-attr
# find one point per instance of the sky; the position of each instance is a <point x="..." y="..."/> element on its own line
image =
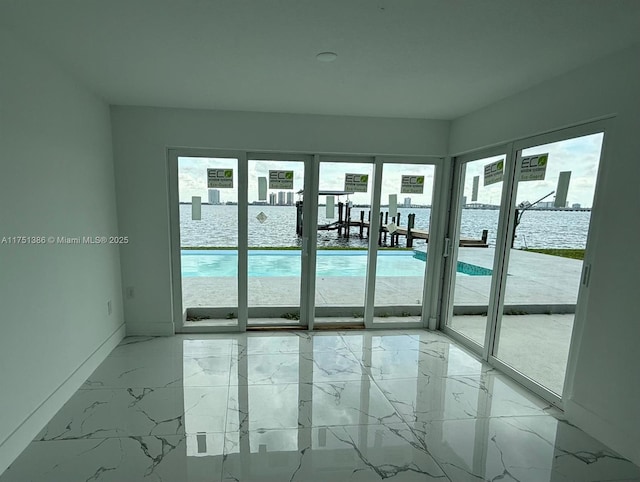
<point x="579" y="155"/>
<point x="193" y="179"/>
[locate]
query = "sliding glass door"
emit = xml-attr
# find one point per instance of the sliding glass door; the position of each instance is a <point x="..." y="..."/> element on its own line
<point x="345" y="187"/>
<point x="551" y="210"/>
<point x="208" y="240"/>
<point x="516" y="271"/>
<point x="473" y="244"/>
<point x="266" y="239"/>
<point x="275" y="234"/>
<point x="406" y="206"/>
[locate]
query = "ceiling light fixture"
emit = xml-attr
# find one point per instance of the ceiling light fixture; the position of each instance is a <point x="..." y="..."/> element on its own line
<point x="326" y="56"/>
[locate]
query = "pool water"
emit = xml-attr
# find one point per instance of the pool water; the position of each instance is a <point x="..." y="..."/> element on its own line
<point x="268" y="263"/>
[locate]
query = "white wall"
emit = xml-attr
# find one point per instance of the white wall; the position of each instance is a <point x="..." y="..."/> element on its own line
<point x="604" y="398"/>
<point x="56" y="179"/>
<point x="142" y="136"/>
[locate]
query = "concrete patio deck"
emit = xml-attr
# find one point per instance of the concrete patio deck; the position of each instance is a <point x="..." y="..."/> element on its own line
<point x="534" y="279"/>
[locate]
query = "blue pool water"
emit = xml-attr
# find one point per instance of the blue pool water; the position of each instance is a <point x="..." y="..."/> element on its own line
<point x="267" y="263"/>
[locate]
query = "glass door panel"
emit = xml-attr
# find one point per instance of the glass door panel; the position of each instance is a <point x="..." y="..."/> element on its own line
<point x="341" y="257"/>
<point x="475" y="239"/>
<point x="405" y="215"/>
<point x="553" y="202"/>
<point x="274" y="257"/>
<point x="208" y="195"/>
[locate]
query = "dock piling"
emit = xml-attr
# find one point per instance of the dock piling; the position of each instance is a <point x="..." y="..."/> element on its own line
<point x="410" y="224"/>
<point x="368" y="222"/>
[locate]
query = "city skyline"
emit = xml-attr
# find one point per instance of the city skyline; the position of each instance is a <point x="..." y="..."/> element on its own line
<point x="581" y="156"/>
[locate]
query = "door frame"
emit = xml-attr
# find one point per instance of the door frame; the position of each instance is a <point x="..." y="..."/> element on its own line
<point x="307" y="160"/>
<point x="309" y="239"/>
<point x="242" y="157"/>
<point x="452" y="240"/>
<point x="501" y="258"/>
<point x="430" y="282"/>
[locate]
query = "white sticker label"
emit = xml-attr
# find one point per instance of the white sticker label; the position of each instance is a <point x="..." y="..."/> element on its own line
<point x="534" y="168"/>
<point x="356" y="182"/>
<point x="412" y="185"/>
<point x="196" y="208"/>
<point x="393" y="205"/>
<point x="280" y="179"/>
<point x="220" y="178"/>
<point x="493" y="172"/>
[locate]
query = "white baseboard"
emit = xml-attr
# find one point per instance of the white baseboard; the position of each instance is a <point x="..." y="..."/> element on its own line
<point x="22" y="436"/>
<point x="612" y="436"/>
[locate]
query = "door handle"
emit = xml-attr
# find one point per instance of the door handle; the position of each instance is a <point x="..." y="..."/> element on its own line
<point x="447" y="247"/>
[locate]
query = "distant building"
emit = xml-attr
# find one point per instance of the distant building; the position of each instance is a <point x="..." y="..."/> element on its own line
<point x="407" y="202"/>
<point x="282" y="198"/>
<point x="464" y="200"/>
<point x="290" y="199"/>
<point x="576" y="205"/>
<point x="272" y="199"/>
<point x="214" y="196"/>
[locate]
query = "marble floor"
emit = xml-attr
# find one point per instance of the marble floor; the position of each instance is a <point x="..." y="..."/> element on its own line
<point x="296" y="406"/>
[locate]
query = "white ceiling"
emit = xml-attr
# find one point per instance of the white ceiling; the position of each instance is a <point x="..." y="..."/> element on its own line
<point x="397" y="58"/>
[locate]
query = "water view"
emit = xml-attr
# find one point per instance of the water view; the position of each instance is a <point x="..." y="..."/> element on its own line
<point x="219" y="227"/>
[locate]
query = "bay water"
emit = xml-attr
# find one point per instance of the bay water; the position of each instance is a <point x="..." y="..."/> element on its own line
<point x="219" y="227"/>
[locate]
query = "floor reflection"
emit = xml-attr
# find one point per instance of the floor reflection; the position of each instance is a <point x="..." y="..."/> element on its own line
<point x="296" y="406"/>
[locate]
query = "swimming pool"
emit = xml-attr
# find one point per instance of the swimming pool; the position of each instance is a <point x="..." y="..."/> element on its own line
<point x="272" y="263"/>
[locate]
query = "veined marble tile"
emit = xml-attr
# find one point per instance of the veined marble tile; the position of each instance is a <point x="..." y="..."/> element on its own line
<point x="149" y="346"/>
<point x="438" y="359"/>
<point x="297" y="406"/>
<point x="130" y="459"/>
<point x="267" y="343"/>
<point x="120" y="372"/>
<point x="106" y="413"/>
<point x="296" y="368"/>
<point x="199" y="347"/>
<point x="382" y="340"/>
<point x="358" y="453"/>
<point x="259" y="407"/>
<point x="527" y="449"/>
<point x="206" y="371"/>
<point x="152" y="347"/>
<point x="349" y="403"/>
<point x="116" y="413"/>
<point x="266" y="369"/>
<point x="460" y="397"/>
<point x="331" y="366"/>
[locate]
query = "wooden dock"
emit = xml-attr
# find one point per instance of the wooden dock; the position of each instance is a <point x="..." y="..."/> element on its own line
<point x="344" y="224"/>
<point x="411" y="234"/>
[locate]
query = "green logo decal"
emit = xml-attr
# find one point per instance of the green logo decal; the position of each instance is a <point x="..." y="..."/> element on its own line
<point x="228" y="173"/>
<point x="542" y="160"/>
<point x="500" y="165"/>
<point x="289" y="175"/>
<point x="420" y="179"/>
